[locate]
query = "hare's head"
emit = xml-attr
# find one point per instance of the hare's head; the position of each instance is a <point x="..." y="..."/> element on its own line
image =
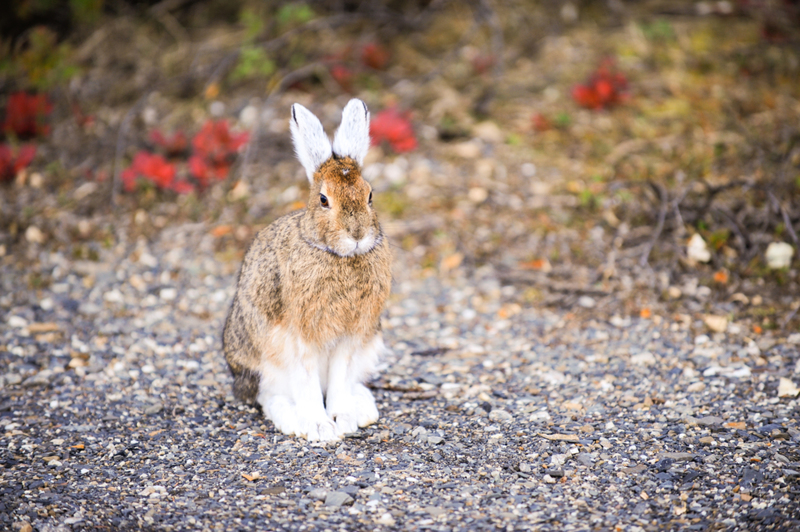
<point x="340" y="201"/>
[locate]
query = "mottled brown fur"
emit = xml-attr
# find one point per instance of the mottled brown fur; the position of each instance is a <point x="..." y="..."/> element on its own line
<point x="291" y="278"/>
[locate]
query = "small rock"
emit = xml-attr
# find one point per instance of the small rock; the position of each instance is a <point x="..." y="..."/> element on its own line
<point x="216" y="108"/>
<point x="500" y="415"/>
<point x="478" y="194"/>
<point x="470" y="149"/>
<point x="643" y="359"/>
<point x="697" y="249"/>
<point x="153" y="409"/>
<point x="89" y="309"/>
<point x="706" y="440"/>
<point x="385" y="519"/>
<point x="168" y="294"/>
<point x="673" y="292"/>
<point x="586" y="302"/>
<point x="17" y="322"/>
<point x="248" y="116"/>
<point x="680" y="457"/>
<point x="40" y="379"/>
<point x="696" y="387"/>
<point x="525" y="467"/>
<point x="787" y="388"/>
<point x="34" y="235"/>
<point x="338" y="498"/>
<point x="548" y="479"/>
<point x="488" y="132"/>
<point x="779" y="255"/>
<point x="716" y="323"/>
<point x="710" y="421"/>
<point x="620" y="322"/>
<point x="318" y="494"/>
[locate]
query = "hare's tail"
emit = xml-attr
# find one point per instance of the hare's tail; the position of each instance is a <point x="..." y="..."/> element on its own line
<point x="245" y="383"/>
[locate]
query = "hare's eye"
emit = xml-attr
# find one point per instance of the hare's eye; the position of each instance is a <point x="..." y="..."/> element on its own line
<point x="323" y="200"/>
<point x="370" y="197"/>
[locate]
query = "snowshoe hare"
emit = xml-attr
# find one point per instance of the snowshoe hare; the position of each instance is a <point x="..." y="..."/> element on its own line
<point x="303" y="332"/>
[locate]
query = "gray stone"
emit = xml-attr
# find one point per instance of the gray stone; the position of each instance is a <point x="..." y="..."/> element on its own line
<point x="338" y="498"/>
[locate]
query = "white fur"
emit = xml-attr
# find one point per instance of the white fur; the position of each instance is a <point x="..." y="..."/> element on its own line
<point x="291" y="394"/>
<point x="352" y="137"/>
<point x="348" y="402"/>
<point x="348" y="246"/>
<point x="311" y="144"/>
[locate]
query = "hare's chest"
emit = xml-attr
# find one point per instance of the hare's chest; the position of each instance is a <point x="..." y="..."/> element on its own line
<point x="344" y="301"/>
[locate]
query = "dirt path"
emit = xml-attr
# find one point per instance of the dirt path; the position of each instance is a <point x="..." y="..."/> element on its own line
<point x="117" y="413"/>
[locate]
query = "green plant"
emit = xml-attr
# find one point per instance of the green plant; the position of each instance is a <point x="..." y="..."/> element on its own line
<point x="253" y="60"/>
<point x="292" y="14"/>
<point x="44" y="63"/>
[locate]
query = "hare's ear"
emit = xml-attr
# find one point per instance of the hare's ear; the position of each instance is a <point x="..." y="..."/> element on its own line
<point x="311" y="144"/>
<point x="352" y="137"/>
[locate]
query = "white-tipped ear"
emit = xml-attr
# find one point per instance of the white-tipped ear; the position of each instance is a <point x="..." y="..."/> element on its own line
<point x="311" y="144"/>
<point x="352" y="137"/>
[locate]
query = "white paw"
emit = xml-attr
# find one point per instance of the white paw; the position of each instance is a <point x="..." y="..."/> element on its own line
<point x="355" y="410"/>
<point x="294" y="420"/>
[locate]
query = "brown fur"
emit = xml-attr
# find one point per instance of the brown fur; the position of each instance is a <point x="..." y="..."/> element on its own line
<point x="292" y="282"/>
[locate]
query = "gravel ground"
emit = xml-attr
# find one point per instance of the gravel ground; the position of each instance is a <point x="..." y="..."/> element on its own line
<point x="117" y="412"/>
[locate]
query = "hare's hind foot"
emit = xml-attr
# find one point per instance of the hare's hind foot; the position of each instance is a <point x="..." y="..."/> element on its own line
<point x="293" y="419"/>
<point x="353" y="409"/>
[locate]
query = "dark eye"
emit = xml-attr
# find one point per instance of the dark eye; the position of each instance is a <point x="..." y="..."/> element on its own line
<point x="370" y="197"/>
<point x="323" y="200"/>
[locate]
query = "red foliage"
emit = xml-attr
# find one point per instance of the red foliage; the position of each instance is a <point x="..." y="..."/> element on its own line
<point x="12" y="163"/>
<point x="174" y="145"/>
<point x="343" y="76"/>
<point x="26" y="115"/>
<point x="375" y="56"/>
<point x="156" y="169"/>
<point x="393" y="127"/>
<point x="606" y="87"/>
<point x="214" y="150"/>
<point x="541" y="122"/>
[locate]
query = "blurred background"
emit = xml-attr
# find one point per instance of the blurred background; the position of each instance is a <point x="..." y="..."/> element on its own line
<point x="603" y="156"/>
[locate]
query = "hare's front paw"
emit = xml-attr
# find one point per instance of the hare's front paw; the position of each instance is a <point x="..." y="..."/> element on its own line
<point x="353" y="410"/>
<point x="293" y="419"/>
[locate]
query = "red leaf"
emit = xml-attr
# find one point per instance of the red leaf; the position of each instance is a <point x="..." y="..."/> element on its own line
<point x="199" y="169"/>
<point x="541" y="122"/>
<point x="151" y="167"/>
<point x="393" y="127"/>
<point x="12" y="163"/>
<point x="174" y="145"/>
<point x="26" y="115"/>
<point x="182" y="187"/>
<point x="375" y="56"/>
<point x="604" y="88"/>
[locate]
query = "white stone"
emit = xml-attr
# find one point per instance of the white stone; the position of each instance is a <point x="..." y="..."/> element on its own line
<point x="779" y="255"/>
<point x="697" y="249"/>
<point x="34" y="235"/>
<point x="18" y="322"/>
<point x="787" y="388"/>
<point x="643" y="359"/>
<point x="248" y="116"/>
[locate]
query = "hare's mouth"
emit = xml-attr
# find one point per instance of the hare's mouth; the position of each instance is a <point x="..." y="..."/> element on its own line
<point x="349" y="246"/>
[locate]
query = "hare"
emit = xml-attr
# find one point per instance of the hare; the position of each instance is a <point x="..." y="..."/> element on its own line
<point x="303" y="332"/>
